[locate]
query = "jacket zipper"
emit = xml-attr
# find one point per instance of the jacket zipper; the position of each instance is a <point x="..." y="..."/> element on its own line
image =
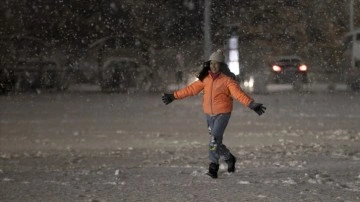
<point x="211" y="97"/>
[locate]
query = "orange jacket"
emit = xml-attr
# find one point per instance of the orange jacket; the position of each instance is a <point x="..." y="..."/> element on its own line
<point x="218" y="94"/>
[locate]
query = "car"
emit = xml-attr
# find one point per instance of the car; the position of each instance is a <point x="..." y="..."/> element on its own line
<point x="289" y="70"/>
<point x="29" y="63"/>
<point x="120" y="74"/>
<point x="31" y="73"/>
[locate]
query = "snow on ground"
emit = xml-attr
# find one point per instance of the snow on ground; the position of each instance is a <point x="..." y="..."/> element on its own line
<point x="90" y="146"/>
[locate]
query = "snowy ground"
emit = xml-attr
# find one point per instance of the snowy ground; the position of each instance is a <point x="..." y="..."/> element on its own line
<point x="101" y="147"/>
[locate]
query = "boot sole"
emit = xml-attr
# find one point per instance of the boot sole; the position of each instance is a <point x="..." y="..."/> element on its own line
<point x="212" y="176"/>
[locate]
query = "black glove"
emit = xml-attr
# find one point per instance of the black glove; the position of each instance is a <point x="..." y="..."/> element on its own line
<point x="257" y="107"/>
<point x="168" y="98"/>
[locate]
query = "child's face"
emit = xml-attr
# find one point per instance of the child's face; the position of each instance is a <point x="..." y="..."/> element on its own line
<point x="214" y="66"/>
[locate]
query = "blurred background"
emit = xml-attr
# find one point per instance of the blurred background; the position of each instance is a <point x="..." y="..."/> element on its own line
<point x="81" y="116"/>
<point x="157" y="45"/>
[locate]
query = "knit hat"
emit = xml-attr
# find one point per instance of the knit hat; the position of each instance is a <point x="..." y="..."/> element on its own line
<point x="218" y="56"/>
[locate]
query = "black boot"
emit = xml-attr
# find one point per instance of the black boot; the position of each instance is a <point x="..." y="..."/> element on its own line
<point x="231" y="163"/>
<point x="213" y="169"/>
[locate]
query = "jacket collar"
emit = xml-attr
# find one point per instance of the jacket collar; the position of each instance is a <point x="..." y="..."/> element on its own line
<point x="214" y="75"/>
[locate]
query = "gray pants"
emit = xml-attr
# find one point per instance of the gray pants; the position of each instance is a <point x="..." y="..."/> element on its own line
<point x="217" y="125"/>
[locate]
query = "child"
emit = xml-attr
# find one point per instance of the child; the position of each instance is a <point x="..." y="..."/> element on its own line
<point x="220" y="87"/>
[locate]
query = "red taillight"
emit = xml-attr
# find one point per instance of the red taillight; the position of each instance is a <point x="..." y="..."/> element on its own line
<point x="303" y="68"/>
<point x="276" y="68"/>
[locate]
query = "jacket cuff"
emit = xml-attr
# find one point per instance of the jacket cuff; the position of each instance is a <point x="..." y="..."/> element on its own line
<point x="252" y="104"/>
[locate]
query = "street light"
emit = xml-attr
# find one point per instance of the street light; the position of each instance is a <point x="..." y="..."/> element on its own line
<point x="234" y="55"/>
<point x="207" y="29"/>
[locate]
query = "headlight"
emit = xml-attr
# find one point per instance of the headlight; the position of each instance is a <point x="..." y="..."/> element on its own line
<point x="250" y="82"/>
<point x="303" y="68"/>
<point x="276" y="68"/>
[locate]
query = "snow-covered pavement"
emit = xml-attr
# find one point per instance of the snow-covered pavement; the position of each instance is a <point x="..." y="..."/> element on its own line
<point x="113" y="147"/>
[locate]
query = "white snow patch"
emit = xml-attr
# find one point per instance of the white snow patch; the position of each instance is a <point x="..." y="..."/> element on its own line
<point x="294" y="163"/>
<point x="7" y="179"/>
<point x="243" y="182"/>
<point x="120" y="132"/>
<point x="222" y="166"/>
<point x="288" y="181"/>
<point x="198" y="173"/>
<point x="312" y="181"/>
<point x="111" y="183"/>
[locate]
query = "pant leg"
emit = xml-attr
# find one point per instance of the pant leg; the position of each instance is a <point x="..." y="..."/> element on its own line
<point x="217" y="125"/>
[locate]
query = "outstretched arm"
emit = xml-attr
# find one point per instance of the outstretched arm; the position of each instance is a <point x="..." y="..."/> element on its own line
<point x="246" y="100"/>
<point x="190" y="90"/>
<point x="237" y="93"/>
